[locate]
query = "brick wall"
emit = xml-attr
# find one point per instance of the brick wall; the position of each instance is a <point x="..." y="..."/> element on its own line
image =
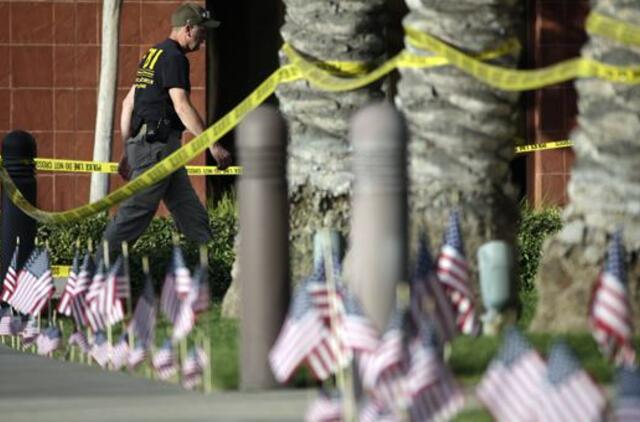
<point x="558" y="35"/>
<point x="49" y="70"/>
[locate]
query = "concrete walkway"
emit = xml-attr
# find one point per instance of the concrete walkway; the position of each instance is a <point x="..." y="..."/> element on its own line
<point x="33" y="389"/>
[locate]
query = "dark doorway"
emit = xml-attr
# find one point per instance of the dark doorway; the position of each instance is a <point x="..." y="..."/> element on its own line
<point x="241" y="53"/>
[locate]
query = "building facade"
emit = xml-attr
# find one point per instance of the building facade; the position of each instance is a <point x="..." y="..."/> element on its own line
<point x="50" y="59"/>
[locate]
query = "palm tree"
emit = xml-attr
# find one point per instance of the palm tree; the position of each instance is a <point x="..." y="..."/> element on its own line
<point x="319" y="173"/>
<point x="462" y="130"/>
<point x="604" y="189"/>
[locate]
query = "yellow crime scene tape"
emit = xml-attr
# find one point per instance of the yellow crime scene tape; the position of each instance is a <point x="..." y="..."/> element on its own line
<point x="59" y="271"/>
<point x="78" y="166"/>
<point x="523" y="149"/>
<point x="355" y="75"/>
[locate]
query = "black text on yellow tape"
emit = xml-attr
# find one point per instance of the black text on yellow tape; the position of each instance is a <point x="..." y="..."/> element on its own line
<point x="77" y="166"/>
<point x="523" y="149"/>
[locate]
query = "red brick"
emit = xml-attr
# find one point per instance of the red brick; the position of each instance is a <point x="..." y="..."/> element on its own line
<point x="65" y="109"/>
<point x="33" y="109"/>
<point x="5" y="29"/>
<point x="86" y="109"/>
<point x="32" y="66"/>
<point x="64" y="65"/>
<point x="87" y="63"/>
<point x="551" y="162"/>
<point x="5" y="110"/>
<point x="44" y="141"/>
<point x="64" y="30"/>
<point x="45" y="192"/>
<point x="64" y="146"/>
<point x="130" y="24"/>
<point x="31" y="22"/>
<point x="84" y="146"/>
<point x="87" y="23"/>
<point x="5" y="66"/>
<point x="65" y="187"/>
<point x="156" y="22"/>
<point x="127" y="65"/>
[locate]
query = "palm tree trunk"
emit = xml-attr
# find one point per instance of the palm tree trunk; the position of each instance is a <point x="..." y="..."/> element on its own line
<point x="604" y="189"/>
<point x="319" y="168"/>
<point x="461" y="130"/>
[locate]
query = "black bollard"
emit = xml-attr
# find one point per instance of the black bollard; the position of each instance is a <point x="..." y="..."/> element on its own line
<point x="18" y="153"/>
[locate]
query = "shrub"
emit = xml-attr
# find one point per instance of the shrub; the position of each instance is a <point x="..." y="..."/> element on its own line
<point x="535" y="227"/>
<point x="155" y="243"/>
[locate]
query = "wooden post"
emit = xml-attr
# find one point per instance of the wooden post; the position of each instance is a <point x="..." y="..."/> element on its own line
<point x="264" y="244"/>
<point x="379" y="209"/>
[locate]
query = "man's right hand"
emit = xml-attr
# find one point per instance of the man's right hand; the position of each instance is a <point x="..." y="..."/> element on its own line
<point x="221" y="155"/>
<point x="123" y="168"/>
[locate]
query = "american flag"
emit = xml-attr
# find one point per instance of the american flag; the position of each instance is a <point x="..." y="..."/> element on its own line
<point x="318" y="286"/>
<point x="164" y="361"/>
<point x="383" y="373"/>
<point x="184" y="322"/>
<point x="433" y="392"/>
<point x="49" y="340"/>
<point x="137" y="355"/>
<point x="64" y="305"/>
<point x="375" y="411"/>
<point x="101" y="349"/>
<point x="180" y="273"/>
<point x="513" y="380"/>
<point x="568" y="393"/>
<point x="79" y="339"/>
<point x="610" y="311"/>
<point x="202" y="300"/>
<point x="177" y="296"/>
<point x="303" y="337"/>
<point x="103" y="308"/>
<point x="18" y="325"/>
<point x="120" y="273"/>
<point x="5" y="322"/>
<point x="327" y="407"/>
<point x="11" y="278"/>
<point x="144" y="316"/>
<point x="358" y="333"/>
<point x="453" y="273"/>
<point x="30" y="331"/>
<point x="193" y="368"/>
<point x="170" y="300"/>
<point x="78" y="301"/>
<point x="428" y="297"/>
<point x="627" y="402"/>
<point x="35" y="284"/>
<point x="120" y="352"/>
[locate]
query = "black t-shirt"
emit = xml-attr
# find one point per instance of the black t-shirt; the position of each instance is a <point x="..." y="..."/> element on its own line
<point x="164" y="66"/>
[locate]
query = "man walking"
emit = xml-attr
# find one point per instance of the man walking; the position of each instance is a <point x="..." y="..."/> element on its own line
<point x="155" y="112"/>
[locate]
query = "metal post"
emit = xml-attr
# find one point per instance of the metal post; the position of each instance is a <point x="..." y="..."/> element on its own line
<point x="18" y="151"/>
<point x="264" y="246"/>
<point x="379" y="209"/>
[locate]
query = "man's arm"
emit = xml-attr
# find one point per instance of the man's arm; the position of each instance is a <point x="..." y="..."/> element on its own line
<point x="193" y="122"/>
<point x="125" y="131"/>
<point x="126" y="114"/>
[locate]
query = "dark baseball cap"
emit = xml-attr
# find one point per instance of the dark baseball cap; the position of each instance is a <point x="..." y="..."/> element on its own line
<point x="193" y="14"/>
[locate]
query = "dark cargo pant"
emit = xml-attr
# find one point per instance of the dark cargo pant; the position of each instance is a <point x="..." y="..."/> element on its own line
<point x="135" y="213"/>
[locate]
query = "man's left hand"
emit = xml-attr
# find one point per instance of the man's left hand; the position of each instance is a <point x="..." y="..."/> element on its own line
<point x="221" y="155"/>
